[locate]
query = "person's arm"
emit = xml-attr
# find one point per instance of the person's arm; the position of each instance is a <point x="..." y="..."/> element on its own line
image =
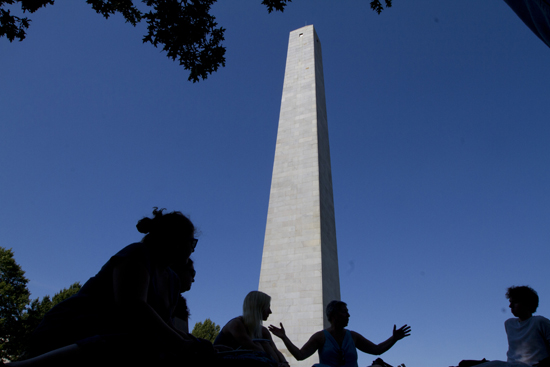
<point x="545" y="333"/>
<point x="131" y="283"/>
<point x="366" y="346"/>
<point x="271" y="348"/>
<point x="310" y="347"/>
<point x="545" y="330"/>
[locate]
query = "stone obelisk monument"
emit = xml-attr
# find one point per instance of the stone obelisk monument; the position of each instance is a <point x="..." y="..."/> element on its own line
<point x="300" y="261"/>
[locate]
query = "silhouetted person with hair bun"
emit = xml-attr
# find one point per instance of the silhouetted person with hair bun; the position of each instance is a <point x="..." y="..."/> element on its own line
<point x="123" y="315"/>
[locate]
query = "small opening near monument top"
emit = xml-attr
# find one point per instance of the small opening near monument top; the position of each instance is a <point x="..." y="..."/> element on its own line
<point x="301" y="34"/>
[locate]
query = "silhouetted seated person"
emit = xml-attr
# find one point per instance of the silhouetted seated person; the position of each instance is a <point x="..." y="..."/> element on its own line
<point x="337" y="345"/>
<point x="123" y="315"/>
<point x="186" y="274"/>
<point x="528" y="335"/>
<point x="247" y="333"/>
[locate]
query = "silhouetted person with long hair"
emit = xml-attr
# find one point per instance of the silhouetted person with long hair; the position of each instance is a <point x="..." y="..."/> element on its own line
<point x="247" y="333"/>
<point x="336" y="345"/>
<point x="123" y="314"/>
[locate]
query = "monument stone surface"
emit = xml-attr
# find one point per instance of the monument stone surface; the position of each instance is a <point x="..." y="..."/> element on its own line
<point x="300" y="261"/>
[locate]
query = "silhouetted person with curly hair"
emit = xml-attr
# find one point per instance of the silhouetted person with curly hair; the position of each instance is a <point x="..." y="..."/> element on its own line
<point x="528" y="335"/>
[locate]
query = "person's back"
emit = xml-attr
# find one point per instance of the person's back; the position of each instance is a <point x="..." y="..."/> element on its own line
<point x="92" y="310"/>
<point x="225" y="336"/>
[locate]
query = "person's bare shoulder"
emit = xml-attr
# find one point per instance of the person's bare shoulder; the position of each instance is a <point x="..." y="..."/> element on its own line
<point x="266" y="334"/>
<point x="318" y="338"/>
<point x="355" y="335"/>
<point x="234" y="324"/>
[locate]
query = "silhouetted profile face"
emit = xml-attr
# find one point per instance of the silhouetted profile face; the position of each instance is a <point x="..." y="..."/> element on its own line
<point x="187" y="277"/>
<point x="266" y="312"/>
<point x="340" y="317"/>
<point x="181" y="248"/>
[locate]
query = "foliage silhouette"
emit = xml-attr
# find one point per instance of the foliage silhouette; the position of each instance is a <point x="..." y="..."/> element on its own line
<point x="14" y="298"/>
<point x="185" y="29"/>
<point x="18" y="315"/>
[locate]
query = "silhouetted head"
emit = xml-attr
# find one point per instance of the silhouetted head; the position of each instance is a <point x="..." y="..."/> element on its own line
<point x="170" y="235"/>
<point x="333" y="307"/>
<point x="186" y="274"/>
<point x="256" y="308"/>
<point x="337" y="314"/>
<point x="524" y="301"/>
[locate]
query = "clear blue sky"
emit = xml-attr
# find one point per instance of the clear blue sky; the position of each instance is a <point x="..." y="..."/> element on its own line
<point x="440" y="140"/>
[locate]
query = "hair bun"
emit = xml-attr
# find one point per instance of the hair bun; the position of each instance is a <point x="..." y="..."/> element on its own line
<point x="144" y="225"/>
<point x="162" y="226"/>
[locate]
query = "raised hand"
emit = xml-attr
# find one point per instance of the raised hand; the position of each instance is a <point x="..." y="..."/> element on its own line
<point x="280" y="333"/>
<point x="402" y="332"/>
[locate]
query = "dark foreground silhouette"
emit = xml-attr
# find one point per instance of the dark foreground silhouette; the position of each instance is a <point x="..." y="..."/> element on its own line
<point x="124" y="314"/>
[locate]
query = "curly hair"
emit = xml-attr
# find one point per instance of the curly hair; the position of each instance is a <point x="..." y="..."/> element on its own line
<point x="525" y="295"/>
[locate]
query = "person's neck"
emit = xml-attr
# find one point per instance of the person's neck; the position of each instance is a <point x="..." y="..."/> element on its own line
<point x="524" y="317"/>
<point x="335" y="329"/>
